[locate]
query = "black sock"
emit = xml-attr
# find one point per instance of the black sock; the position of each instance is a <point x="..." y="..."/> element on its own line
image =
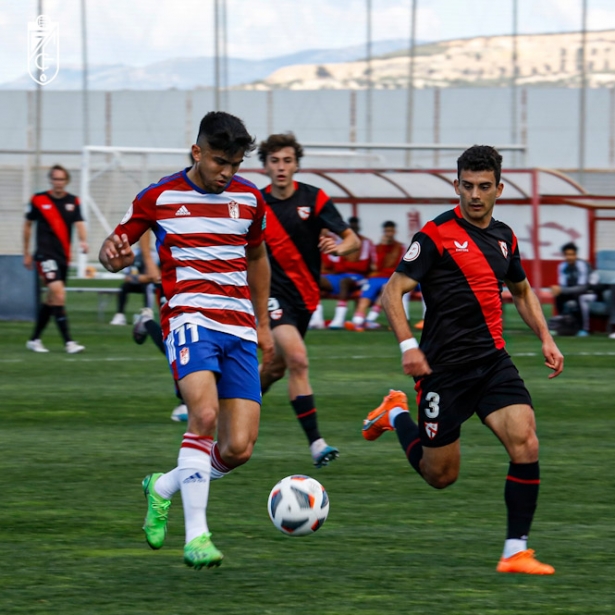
<point x="305" y="410"/>
<point x="521" y="497"/>
<point x="62" y="321"/>
<point x="155" y="332"/>
<point x="44" y="314"/>
<point x="408" y="435"/>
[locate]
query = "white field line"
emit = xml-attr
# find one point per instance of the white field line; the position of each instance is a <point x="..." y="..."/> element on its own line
<point x="358" y="357"/>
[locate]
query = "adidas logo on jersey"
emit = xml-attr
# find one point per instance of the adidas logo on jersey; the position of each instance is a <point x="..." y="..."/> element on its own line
<point x="182" y="211"/>
<point x="194" y="478"/>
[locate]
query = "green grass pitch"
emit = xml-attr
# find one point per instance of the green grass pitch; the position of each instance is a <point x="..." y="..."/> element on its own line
<point x="78" y="433"/>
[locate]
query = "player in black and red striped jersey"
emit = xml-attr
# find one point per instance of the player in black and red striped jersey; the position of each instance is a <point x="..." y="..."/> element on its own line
<point x="296" y="215"/>
<point x="55" y="212"/>
<point x="462" y="258"/>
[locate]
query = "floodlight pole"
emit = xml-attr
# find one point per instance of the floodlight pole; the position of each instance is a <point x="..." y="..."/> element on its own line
<point x="513" y="79"/>
<point x="369" y="83"/>
<point x="410" y="103"/>
<point x="217" y="55"/>
<point x="582" y="95"/>
<point x="38" y="119"/>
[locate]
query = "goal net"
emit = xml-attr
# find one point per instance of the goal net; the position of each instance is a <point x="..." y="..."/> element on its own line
<point x="111" y="177"/>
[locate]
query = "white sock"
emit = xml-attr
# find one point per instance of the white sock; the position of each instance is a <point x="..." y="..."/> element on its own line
<point x="317" y="316"/>
<point x="394" y="413"/>
<point x="406" y="303"/>
<point x="373" y="315"/>
<point x="513" y="546"/>
<point x="317" y="447"/>
<point x="358" y="320"/>
<point x="218" y="468"/>
<point x="194" y="466"/>
<point x="340" y="315"/>
<point x="168" y="484"/>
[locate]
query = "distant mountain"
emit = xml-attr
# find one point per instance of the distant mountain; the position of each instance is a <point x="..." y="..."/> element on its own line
<point x="191" y="73"/>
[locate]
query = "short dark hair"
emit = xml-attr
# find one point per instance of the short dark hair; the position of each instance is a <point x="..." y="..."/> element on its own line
<point x="59" y="167"/>
<point x="226" y="133"/>
<point x="570" y="246"/>
<point x="274" y="143"/>
<point x="389" y="224"/>
<point x="353" y="220"/>
<point x="480" y="158"/>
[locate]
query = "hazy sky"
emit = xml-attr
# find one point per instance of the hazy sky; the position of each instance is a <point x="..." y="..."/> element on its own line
<point x="139" y="32"/>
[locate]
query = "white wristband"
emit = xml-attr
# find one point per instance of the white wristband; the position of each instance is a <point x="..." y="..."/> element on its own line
<point x="409" y="344"/>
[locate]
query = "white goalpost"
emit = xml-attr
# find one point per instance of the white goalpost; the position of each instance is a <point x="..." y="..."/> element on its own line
<point x="111" y="177"/>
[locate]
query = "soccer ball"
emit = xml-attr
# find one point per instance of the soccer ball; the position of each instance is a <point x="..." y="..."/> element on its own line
<point x="298" y="505"/>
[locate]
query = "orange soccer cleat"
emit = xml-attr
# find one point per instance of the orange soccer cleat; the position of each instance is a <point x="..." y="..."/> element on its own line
<point x="524" y="562"/>
<point x="377" y="421"/>
<point x="419" y="325"/>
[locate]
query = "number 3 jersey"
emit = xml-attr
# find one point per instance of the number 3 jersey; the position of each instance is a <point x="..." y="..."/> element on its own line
<point x="461" y="269"/>
<point x="201" y="239"/>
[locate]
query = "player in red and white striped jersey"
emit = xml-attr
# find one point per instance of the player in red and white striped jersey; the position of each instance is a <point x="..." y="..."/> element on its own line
<point x="209" y="226"/>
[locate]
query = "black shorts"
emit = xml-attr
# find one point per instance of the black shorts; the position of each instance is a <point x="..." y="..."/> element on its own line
<point x="283" y="312"/>
<point x="52" y="270"/>
<point x="446" y="399"/>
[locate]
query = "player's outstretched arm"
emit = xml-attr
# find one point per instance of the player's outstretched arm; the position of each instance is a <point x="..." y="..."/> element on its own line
<point x="350" y="243"/>
<point x="530" y="310"/>
<point x="259" y="281"/>
<point x="116" y="253"/>
<point x="413" y="360"/>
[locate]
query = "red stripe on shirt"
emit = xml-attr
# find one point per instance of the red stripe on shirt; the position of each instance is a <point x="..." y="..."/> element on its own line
<point x="480" y="277"/>
<point x="213" y="288"/>
<point x="54" y="218"/>
<point x="203" y="240"/>
<point x="321" y="200"/>
<point x="285" y="252"/>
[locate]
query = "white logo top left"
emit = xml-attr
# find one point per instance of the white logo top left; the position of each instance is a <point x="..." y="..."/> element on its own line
<point x="43" y="49"/>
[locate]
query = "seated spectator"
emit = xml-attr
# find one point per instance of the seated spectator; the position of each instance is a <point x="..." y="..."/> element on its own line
<point x="388" y="254"/>
<point x="136" y="281"/>
<point x="571" y="291"/>
<point x="349" y="274"/>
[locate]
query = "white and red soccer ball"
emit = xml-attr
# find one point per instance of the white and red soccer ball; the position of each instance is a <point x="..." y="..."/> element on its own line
<point x="298" y="505"/>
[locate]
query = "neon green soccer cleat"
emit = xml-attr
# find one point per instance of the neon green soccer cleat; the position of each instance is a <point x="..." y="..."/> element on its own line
<point x="155" y="524"/>
<point x="201" y="551"/>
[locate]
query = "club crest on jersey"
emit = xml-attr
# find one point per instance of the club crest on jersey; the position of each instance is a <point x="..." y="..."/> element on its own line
<point x="304" y="212"/>
<point x="504" y="248"/>
<point x="233" y="210"/>
<point x="413" y="252"/>
<point x="461" y="247"/>
<point x="69" y="206"/>
<point x="431" y="429"/>
<point x="184" y="356"/>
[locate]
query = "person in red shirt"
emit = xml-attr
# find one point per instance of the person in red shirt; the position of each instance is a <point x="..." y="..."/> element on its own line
<point x="388" y="254"/>
<point x="210" y="227"/>
<point x="349" y="274"/>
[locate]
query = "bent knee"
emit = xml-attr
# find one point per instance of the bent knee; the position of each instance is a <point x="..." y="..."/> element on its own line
<point x="297" y="362"/>
<point x="440" y="480"/>
<point x="525" y="450"/>
<point x="237" y="454"/>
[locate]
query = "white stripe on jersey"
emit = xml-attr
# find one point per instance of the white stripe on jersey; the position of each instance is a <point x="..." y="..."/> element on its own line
<point x="196" y="224"/>
<point x="187" y="197"/>
<point x="206" y="301"/>
<point x="232" y="278"/>
<point x="210" y="253"/>
<point x="245" y="333"/>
